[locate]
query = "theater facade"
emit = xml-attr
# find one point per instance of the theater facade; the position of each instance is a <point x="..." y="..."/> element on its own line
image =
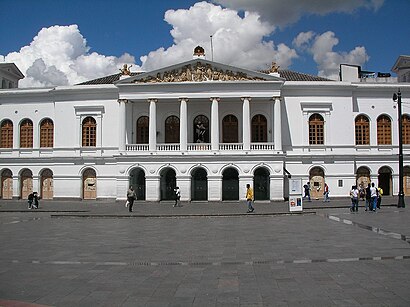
<point x="206" y="127"/>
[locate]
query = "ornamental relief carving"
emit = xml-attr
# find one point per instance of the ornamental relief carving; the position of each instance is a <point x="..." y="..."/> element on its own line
<point x="197" y="73"/>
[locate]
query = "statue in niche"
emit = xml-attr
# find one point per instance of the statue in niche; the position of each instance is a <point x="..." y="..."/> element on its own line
<point x="200" y="132"/>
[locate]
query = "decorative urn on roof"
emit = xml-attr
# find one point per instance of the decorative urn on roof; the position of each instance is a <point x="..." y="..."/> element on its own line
<point x="199" y="52"/>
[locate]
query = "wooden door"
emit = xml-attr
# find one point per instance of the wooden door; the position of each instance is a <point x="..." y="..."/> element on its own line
<point x="6" y="187"/>
<point x="47" y="187"/>
<point x="317" y="183"/>
<point x="406" y="181"/>
<point x="230" y="129"/>
<point x="89" y="185"/>
<point x="26" y="186"/>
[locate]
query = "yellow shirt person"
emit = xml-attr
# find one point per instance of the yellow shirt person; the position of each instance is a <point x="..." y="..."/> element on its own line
<point x="249" y="198"/>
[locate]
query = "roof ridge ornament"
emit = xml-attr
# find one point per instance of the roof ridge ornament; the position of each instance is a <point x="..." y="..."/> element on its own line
<point x="199" y="52"/>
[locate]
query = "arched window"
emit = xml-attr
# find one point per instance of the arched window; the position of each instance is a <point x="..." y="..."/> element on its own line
<point x="172" y="129"/>
<point x="316" y="130"/>
<point x="143" y="130"/>
<point x="259" y="128"/>
<point x="201" y="129"/>
<point x="89" y="132"/>
<point x="362" y="130"/>
<point x="383" y="130"/>
<point x="6" y="135"/>
<point x="46" y="133"/>
<point x="230" y="129"/>
<point x="26" y="134"/>
<point x="405" y="121"/>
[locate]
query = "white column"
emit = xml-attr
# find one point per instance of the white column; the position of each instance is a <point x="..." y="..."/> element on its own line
<point x="121" y="124"/>
<point x="214" y="123"/>
<point x="152" y="124"/>
<point x="246" y="123"/>
<point x="183" y="127"/>
<point x="277" y="137"/>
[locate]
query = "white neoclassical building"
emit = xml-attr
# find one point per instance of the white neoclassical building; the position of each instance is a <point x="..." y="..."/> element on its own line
<point x="206" y="127"/>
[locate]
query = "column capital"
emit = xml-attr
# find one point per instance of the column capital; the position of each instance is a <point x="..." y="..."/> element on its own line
<point x="123" y="100"/>
<point x="152" y="99"/>
<point x="183" y="99"/>
<point x="214" y="98"/>
<point x="274" y="98"/>
<point x="246" y="97"/>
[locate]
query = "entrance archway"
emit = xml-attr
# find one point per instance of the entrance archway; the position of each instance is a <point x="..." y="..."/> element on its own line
<point x="6" y="184"/>
<point x="230" y="184"/>
<point x="385" y="180"/>
<point x="89" y="184"/>
<point x="168" y="183"/>
<point x="317" y="182"/>
<point x="406" y="180"/>
<point x="46" y="182"/>
<point x="261" y="183"/>
<point x="26" y="181"/>
<point x="137" y="180"/>
<point x="362" y="177"/>
<point x="199" y="184"/>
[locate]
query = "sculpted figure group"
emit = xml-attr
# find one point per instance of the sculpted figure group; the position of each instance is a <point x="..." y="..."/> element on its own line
<point x="197" y="73"/>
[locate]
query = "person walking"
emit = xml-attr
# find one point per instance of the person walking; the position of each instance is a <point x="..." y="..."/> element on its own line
<point x="307" y="190"/>
<point x="379" y="197"/>
<point x="30" y="199"/>
<point x="368" y="198"/>
<point x="326" y="193"/>
<point x="373" y="196"/>
<point x="131" y="196"/>
<point x="354" y="195"/>
<point x="249" y="198"/>
<point x="177" y="197"/>
<point x="35" y="200"/>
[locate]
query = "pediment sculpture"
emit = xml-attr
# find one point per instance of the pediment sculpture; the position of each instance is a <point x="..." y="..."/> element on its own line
<point x="198" y="72"/>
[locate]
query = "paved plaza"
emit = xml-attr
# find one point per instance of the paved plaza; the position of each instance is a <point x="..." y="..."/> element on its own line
<point x="84" y="253"/>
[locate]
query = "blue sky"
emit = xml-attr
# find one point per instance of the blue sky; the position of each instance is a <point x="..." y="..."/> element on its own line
<point x="370" y="33"/>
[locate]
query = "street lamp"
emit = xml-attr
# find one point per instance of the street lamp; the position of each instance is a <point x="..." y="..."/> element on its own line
<point x="397" y="97"/>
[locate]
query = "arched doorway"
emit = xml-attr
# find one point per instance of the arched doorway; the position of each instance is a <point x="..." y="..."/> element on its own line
<point x="259" y="131"/>
<point x="26" y="181"/>
<point x="385" y="180"/>
<point x="406" y="180"/>
<point x="199" y="184"/>
<point x="172" y="129"/>
<point x="317" y="182"/>
<point x="362" y="177"/>
<point x="137" y="180"/>
<point x="89" y="184"/>
<point x="230" y="184"/>
<point x="143" y="130"/>
<point x="168" y="183"/>
<point x="230" y="129"/>
<point x="46" y="183"/>
<point x="261" y="184"/>
<point x="6" y="184"/>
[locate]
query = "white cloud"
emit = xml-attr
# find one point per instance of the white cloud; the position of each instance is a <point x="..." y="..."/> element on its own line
<point x="58" y="55"/>
<point x="237" y="40"/>
<point x="303" y="39"/>
<point x="281" y="13"/>
<point x="328" y="61"/>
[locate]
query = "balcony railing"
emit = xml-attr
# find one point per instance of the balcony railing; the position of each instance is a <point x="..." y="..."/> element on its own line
<point x="199" y="147"/>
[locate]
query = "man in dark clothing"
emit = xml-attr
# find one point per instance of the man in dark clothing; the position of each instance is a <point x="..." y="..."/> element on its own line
<point x="368" y="198"/>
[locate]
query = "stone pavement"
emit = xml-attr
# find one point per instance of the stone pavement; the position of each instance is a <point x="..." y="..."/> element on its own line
<point x="97" y="254"/>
